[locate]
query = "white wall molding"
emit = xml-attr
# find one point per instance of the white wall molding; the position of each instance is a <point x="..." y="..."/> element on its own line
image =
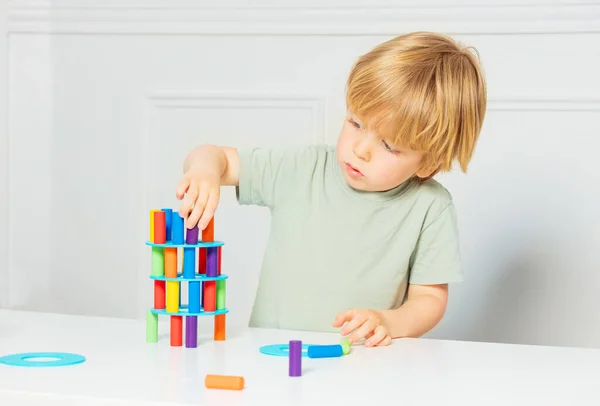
<point x="545" y="104"/>
<point x="315" y="104"/>
<point x="97" y="17"/>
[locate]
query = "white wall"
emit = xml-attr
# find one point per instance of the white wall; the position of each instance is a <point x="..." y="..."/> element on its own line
<point x="105" y="100"/>
<point x="4" y="264"/>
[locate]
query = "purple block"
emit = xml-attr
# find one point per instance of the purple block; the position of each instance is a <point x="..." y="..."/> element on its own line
<point x="212" y="262"/>
<point x="191" y="331"/>
<point x="191" y="235"/>
<point x="295" y="358"/>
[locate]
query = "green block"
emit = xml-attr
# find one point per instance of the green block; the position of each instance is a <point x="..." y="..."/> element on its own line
<point x="158" y="261"/>
<point x="151" y="327"/>
<point x="221" y="294"/>
<point x="345" y="343"/>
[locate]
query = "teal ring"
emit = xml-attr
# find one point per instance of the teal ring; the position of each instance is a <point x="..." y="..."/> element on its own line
<point x="25" y="359"/>
<point x="200" y="244"/>
<point x="185" y="312"/>
<point x="198" y="277"/>
<point x="282" y="350"/>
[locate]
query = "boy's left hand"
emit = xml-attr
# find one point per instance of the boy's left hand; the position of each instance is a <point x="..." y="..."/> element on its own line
<point x="363" y="323"/>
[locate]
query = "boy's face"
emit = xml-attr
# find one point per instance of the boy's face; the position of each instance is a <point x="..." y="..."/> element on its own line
<point x="370" y="163"/>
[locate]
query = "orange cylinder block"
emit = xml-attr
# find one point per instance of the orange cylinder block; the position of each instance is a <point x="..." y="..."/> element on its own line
<point x="220" y="327"/>
<point x="224" y="382"/>
<point x="208" y="234"/>
<point x="171" y="262"/>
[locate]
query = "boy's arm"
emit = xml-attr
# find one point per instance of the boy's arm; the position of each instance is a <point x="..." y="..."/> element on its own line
<point x="223" y="160"/>
<point x="206" y="168"/>
<point x="262" y="176"/>
<point x="422" y="310"/>
<point x="435" y="263"/>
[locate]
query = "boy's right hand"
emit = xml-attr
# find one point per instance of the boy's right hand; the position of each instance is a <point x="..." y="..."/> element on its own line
<point x="206" y="169"/>
<point x="199" y="189"/>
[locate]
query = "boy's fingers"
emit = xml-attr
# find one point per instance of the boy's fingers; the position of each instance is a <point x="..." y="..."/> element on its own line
<point x="198" y="208"/>
<point x="356" y="322"/>
<point x="366" y="327"/>
<point x="182" y="187"/>
<point x="209" y="211"/>
<point x="379" y="334"/>
<point x="188" y="201"/>
<point x="341" y="318"/>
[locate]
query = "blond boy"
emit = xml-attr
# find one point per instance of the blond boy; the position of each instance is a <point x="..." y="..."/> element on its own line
<point x="362" y="238"/>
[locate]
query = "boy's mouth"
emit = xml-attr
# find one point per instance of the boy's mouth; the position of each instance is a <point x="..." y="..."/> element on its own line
<point x="352" y="171"/>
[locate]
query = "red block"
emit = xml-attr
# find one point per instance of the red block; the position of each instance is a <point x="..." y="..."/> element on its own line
<point x="202" y="261"/>
<point x="160" y="227"/>
<point x="210" y="296"/>
<point x="176" y="331"/>
<point x="159" y="294"/>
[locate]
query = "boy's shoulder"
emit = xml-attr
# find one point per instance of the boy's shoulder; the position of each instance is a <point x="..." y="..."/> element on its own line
<point x="307" y="157"/>
<point x="436" y="202"/>
<point x="433" y="190"/>
<point x="311" y="152"/>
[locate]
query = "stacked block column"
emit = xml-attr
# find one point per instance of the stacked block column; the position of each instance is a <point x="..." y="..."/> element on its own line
<point x="201" y="270"/>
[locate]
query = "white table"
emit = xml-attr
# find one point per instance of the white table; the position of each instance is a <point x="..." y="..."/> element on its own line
<point x="121" y="368"/>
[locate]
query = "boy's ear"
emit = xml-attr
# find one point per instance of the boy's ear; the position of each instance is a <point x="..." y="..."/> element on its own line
<point x="427" y="171"/>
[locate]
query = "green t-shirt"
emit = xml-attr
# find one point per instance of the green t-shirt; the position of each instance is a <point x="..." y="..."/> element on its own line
<point x="332" y="247"/>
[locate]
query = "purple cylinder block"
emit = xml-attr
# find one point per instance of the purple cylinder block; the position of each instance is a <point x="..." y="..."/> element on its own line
<point x="191" y="235"/>
<point x="191" y="331"/>
<point x="295" y="358"/>
<point x="212" y="262"/>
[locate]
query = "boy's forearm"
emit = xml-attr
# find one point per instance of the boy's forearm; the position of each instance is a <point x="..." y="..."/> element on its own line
<point x="222" y="160"/>
<point x="418" y="315"/>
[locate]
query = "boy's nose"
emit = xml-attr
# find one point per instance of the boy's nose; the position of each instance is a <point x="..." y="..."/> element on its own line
<point x="362" y="149"/>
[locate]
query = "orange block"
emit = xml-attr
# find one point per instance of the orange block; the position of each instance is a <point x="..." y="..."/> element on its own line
<point x="170" y="262"/>
<point x="220" y="327"/>
<point x="208" y="234"/>
<point x="224" y="382"/>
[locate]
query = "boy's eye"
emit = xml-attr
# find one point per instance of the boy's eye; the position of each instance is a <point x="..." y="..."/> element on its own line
<point x="388" y="147"/>
<point x="354" y="123"/>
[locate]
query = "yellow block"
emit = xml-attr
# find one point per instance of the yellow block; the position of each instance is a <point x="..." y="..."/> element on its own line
<point x="172" y="297"/>
<point x="152" y="225"/>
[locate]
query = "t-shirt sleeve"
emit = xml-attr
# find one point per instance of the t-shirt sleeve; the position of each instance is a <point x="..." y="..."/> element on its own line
<point x="436" y="258"/>
<point x="267" y="175"/>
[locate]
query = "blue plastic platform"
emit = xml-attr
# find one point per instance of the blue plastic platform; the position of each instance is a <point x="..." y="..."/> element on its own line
<point x="200" y="244"/>
<point x="199" y="277"/>
<point x="282" y="350"/>
<point x="184" y="311"/>
<point x="27" y="359"/>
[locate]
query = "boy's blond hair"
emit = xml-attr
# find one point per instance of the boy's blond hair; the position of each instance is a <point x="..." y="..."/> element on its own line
<point x="422" y="91"/>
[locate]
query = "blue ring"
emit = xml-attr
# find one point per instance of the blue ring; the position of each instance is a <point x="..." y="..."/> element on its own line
<point x="200" y="244"/>
<point x="199" y="277"/>
<point x="184" y="311"/>
<point x="282" y="350"/>
<point x="24" y="359"/>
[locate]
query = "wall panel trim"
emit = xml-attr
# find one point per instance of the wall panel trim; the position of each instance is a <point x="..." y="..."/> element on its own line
<point x="176" y="17"/>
